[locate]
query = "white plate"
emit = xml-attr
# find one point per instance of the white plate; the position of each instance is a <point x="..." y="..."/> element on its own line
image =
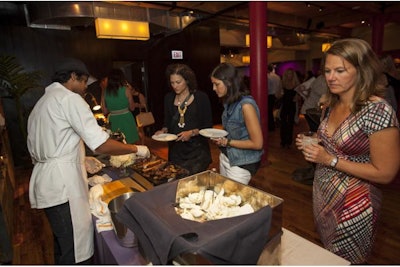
<point x="213" y="133"/>
<point x="165" y="137"/>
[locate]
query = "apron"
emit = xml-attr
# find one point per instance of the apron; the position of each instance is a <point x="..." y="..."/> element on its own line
<point x="73" y="184"/>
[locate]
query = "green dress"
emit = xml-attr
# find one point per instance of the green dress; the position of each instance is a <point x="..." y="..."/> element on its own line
<point x="120" y="117"/>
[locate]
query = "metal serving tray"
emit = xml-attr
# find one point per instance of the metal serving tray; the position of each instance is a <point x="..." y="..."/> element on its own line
<point x="256" y="197"/>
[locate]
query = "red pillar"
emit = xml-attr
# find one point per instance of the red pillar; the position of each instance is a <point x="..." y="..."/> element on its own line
<point x="378" y="29"/>
<point x="258" y="63"/>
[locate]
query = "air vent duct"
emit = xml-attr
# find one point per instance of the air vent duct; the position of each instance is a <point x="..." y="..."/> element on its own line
<point x="65" y="15"/>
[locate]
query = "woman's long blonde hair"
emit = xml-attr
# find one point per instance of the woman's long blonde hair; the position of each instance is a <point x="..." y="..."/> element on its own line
<point x="369" y="70"/>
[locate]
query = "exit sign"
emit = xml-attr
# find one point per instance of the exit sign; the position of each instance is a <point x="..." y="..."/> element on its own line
<point x="177" y="54"/>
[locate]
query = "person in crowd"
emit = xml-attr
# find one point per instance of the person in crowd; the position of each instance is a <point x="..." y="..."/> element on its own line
<point x="95" y="89"/>
<point x="359" y="148"/>
<point x="58" y="126"/>
<point x="306" y="79"/>
<point x="312" y="102"/>
<point x="118" y="104"/>
<point x="309" y="75"/>
<point x="274" y="87"/>
<point x="242" y="148"/>
<point x="392" y="81"/>
<point x="288" y="110"/>
<point x="313" y="113"/>
<point x="186" y="111"/>
<point x="140" y="105"/>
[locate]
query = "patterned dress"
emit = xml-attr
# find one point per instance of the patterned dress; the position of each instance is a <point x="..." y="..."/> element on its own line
<point x="346" y="209"/>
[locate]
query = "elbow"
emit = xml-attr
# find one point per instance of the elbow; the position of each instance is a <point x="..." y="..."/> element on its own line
<point x="259" y="145"/>
<point x="390" y="177"/>
<point x="386" y="177"/>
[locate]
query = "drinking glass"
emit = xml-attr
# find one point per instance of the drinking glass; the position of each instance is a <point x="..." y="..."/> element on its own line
<point x="308" y="138"/>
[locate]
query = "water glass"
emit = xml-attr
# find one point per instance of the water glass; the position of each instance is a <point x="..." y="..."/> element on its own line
<point x="308" y="138"/>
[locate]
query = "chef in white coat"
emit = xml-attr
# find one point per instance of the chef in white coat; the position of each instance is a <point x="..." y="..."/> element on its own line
<point x="58" y="126"/>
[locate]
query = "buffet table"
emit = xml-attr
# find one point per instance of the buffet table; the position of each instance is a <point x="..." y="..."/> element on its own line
<point x="109" y="252"/>
<point x="291" y="248"/>
<point x="295" y="250"/>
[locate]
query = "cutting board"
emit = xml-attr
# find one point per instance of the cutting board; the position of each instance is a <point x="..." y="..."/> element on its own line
<point x="119" y="187"/>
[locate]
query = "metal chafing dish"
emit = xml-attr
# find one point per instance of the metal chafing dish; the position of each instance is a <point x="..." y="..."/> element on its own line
<point x="163" y="235"/>
<point x="257" y="198"/>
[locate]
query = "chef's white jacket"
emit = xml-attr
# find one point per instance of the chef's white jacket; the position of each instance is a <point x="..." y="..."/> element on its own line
<point x="57" y="125"/>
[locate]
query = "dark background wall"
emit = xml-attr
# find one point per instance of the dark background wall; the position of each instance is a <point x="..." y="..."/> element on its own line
<point x="40" y="49"/>
<point x="201" y="51"/>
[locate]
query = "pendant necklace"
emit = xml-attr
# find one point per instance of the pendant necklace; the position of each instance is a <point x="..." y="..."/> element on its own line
<point x="182" y="109"/>
<point x="181" y="122"/>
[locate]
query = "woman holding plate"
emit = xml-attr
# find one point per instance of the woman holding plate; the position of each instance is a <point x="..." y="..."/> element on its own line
<point x="242" y="148"/>
<point x="186" y="111"/>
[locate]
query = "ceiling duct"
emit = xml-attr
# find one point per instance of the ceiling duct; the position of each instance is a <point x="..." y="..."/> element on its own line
<point x="65" y="15"/>
<point x="291" y="37"/>
<point x="58" y="15"/>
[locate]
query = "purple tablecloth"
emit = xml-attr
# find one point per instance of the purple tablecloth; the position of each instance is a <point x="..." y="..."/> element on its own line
<point x="164" y="235"/>
<point x="107" y="248"/>
<point x="109" y="251"/>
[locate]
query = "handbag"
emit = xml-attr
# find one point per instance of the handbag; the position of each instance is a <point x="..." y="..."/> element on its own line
<point x="145" y="118"/>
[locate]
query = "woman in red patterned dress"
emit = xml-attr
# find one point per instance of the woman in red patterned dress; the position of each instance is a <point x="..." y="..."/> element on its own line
<point x="359" y="147"/>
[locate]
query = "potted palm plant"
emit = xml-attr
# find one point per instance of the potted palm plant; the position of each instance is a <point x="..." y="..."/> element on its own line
<point x="15" y="82"/>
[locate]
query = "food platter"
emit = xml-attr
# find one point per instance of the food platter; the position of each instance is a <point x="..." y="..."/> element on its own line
<point x="165" y="137"/>
<point x="213" y="133"/>
<point x="157" y="170"/>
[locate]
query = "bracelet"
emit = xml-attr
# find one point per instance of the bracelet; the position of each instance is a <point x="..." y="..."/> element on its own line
<point x="228" y="143"/>
<point x="334" y="162"/>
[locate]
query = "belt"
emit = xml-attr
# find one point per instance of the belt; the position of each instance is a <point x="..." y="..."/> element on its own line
<point x="119" y="111"/>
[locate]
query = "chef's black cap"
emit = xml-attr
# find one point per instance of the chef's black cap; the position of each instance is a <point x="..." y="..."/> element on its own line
<point x="72" y="64"/>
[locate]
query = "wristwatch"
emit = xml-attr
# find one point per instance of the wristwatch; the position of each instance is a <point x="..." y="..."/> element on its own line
<point x="334" y="162"/>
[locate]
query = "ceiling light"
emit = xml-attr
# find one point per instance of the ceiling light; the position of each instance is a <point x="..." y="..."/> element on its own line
<point x="269" y="40"/>
<point x="325" y="47"/>
<point x="122" y="29"/>
<point x="320" y="8"/>
<point x="246" y="59"/>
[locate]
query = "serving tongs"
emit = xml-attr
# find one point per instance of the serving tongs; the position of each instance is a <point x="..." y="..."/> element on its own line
<point x="209" y="187"/>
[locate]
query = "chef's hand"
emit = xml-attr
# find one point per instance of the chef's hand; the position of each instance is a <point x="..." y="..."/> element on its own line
<point x="142" y="151"/>
<point x="93" y="165"/>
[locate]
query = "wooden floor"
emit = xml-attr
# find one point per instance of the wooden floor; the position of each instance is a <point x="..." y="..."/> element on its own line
<point x="33" y="239"/>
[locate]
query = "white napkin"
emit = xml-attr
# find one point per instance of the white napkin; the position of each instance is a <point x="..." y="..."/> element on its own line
<point x="97" y="179"/>
<point x="99" y="209"/>
<point x="93" y="165"/>
<point x="142" y="151"/>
